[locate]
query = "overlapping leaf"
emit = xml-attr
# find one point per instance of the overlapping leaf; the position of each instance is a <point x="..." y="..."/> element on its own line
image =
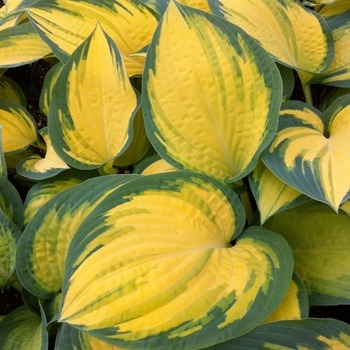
<point x="10" y="90"/>
<point x="320" y="240"/>
<point x="43" y="246"/>
<point x="310" y="152"/>
<point x="25" y="46"/>
<point x="310" y="333"/>
<point x="19" y="127"/>
<point x="271" y="194"/>
<point x="65" y="24"/>
<point x="338" y="19"/>
<point x="93" y="105"/>
<point x="293" y="35"/>
<point x="37" y="168"/>
<point x="160" y="246"/>
<point x="210" y="95"/>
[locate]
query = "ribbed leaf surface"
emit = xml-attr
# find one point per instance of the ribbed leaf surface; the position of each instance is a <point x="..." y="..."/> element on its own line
<point x="93" y="105"/>
<point x="211" y="95"/>
<point x="160" y="246"/>
<point x="293" y="35"/>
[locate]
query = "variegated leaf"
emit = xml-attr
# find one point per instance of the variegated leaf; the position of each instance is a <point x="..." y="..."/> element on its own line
<point x="9" y="235"/>
<point x="223" y="111"/>
<point x="153" y="165"/>
<point x="271" y="194"/>
<point x="11" y="202"/>
<point x="70" y="338"/>
<point x="332" y="96"/>
<point x="19" y="127"/>
<point x="293" y="35"/>
<point x="44" y="190"/>
<point x="49" y="83"/>
<point x="139" y="148"/>
<point x="346" y="207"/>
<point x="310" y="151"/>
<point x="198" y="4"/>
<point x="10" y="90"/>
<point x="37" y="168"/>
<point x="309" y="333"/>
<point x="65" y="24"/>
<point x="295" y="304"/>
<point x="42" y="248"/>
<point x="93" y="105"/>
<point x="162" y="243"/>
<point x="338" y="19"/>
<point x="320" y="240"/>
<point x="3" y="166"/>
<point x="21" y="330"/>
<point x="24" y="43"/>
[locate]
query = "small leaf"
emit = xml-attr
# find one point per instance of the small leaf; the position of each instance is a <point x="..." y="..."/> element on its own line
<point x="24" y="43"/>
<point x="19" y="127"/>
<point x="93" y="105"/>
<point x="10" y="90"/>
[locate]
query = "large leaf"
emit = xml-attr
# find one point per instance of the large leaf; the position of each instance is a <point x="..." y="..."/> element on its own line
<point x="25" y="46"/>
<point x="293" y="35"/>
<point x="320" y="240"/>
<point x="310" y="151"/>
<point x="93" y="105"/>
<point x="65" y="24"/>
<point x="309" y="333"/>
<point x="160" y="246"/>
<point x="19" y="127"/>
<point x="211" y="95"/>
<point x="42" y="248"/>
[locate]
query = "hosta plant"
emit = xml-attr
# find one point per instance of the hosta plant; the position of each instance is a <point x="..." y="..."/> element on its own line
<point x="236" y="217"/>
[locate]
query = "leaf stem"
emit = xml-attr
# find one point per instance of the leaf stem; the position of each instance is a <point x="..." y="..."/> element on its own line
<point x="307" y="93"/>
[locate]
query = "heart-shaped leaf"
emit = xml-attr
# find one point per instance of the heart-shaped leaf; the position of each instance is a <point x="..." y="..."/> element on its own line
<point x="310" y="151"/>
<point x="162" y="243"/>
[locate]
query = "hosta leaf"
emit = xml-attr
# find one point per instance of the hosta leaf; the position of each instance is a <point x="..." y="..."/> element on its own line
<point x="338" y="74"/>
<point x="320" y="240"/>
<point x="12" y="158"/>
<point x="24" y="43"/>
<point x="93" y="105"/>
<point x="10" y="202"/>
<point x="159" y="6"/>
<point x="198" y="4"/>
<point x="3" y="166"/>
<point x="271" y="194"/>
<point x="70" y="338"/>
<point x="223" y="111"/>
<point x="311" y="155"/>
<point x="309" y="333"/>
<point x="9" y="235"/>
<point x="288" y="79"/>
<point x="65" y="24"/>
<point x="346" y="207"/>
<point x="19" y="127"/>
<point x="45" y="190"/>
<point x="49" y="83"/>
<point x="21" y="330"/>
<point x="153" y="165"/>
<point x="332" y="96"/>
<point x="162" y="243"/>
<point x="139" y="148"/>
<point x="43" y="246"/>
<point x="295" y="304"/>
<point x="10" y="90"/>
<point x="37" y="168"/>
<point x="293" y="35"/>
